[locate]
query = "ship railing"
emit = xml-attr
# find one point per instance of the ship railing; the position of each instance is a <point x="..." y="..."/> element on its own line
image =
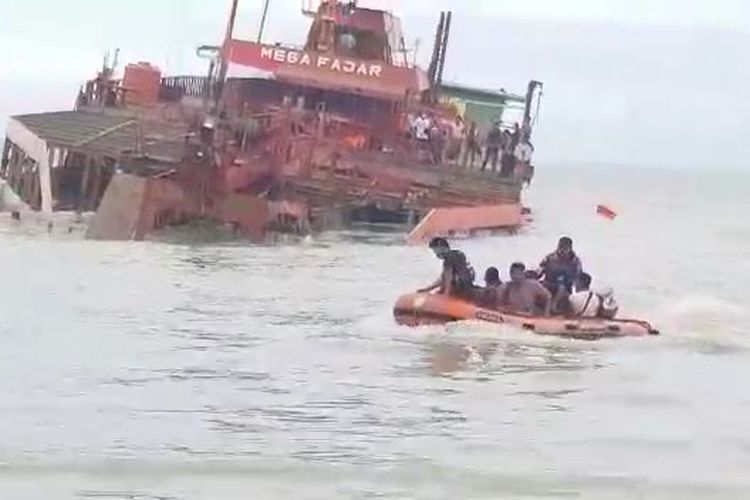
<point x="174" y="88"/>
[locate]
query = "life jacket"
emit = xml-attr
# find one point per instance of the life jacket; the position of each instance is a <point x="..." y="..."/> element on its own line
<point x="556" y="268"/>
<point x="463" y="273"/>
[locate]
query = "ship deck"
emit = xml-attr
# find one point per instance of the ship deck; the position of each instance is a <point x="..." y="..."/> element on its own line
<point x="105" y="134"/>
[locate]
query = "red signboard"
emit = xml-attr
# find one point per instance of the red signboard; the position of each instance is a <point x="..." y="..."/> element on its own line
<point x="328" y="71"/>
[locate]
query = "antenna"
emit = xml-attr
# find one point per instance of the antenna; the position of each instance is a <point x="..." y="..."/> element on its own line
<point x="263" y="20"/>
<point x="224" y="67"/>
<point x="232" y="19"/>
<point x="444" y="48"/>
<point x="116" y="60"/>
<point x="435" y="61"/>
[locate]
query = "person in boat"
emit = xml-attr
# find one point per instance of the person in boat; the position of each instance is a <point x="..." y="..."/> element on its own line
<point x="494" y="143"/>
<point x="584" y="303"/>
<point x="492" y="278"/>
<point x="490" y="295"/>
<point x="457" y="277"/>
<point x="525" y="296"/>
<point x="561" y="268"/>
<point x="532" y="275"/>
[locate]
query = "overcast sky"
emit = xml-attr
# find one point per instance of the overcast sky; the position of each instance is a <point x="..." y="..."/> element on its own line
<point x="642" y="82"/>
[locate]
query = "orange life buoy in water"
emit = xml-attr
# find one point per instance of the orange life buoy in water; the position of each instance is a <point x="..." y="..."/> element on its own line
<point x="607" y="212"/>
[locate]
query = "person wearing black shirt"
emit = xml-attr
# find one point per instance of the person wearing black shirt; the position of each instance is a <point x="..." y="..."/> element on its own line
<point x="494" y="143"/>
<point x="457" y="277"/>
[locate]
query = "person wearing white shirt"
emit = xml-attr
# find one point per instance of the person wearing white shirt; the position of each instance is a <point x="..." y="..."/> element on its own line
<point x="584" y="303"/>
<point x="421" y="127"/>
<point x="523" y="152"/>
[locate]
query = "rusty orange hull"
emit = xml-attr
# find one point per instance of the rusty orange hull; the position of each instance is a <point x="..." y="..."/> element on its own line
<point x="427" y="309"/>
<point x="466" y="220"/>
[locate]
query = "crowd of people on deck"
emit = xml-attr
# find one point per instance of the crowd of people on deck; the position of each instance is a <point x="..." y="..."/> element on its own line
<point x="508" y="152"/>
<point x="559" y="287"/>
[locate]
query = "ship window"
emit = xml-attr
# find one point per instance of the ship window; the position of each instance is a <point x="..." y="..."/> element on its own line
<point x="361" y="44"/>
<point x="347" y="42"/>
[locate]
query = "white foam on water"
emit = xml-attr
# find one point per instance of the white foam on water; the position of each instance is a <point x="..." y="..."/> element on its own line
<point x="705" y="319"/>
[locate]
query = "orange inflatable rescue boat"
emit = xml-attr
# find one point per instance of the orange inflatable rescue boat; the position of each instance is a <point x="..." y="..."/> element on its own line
<point x="428" y="309"/>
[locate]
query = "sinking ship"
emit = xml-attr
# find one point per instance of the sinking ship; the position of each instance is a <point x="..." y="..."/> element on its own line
<point x="276" y="138"/>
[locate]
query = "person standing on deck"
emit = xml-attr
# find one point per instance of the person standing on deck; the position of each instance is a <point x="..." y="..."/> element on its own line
<point x="494" y="142"/>
<point x="523" y="153"/>
<point x="508" y="159"/>
<point x="420" y="130"/>
<point x="456" y="140"/>
<point x="472" y="149"/>
<point x="421" y="127"/>
<point x="438" y="138"/>
<point x="516" y="137"/>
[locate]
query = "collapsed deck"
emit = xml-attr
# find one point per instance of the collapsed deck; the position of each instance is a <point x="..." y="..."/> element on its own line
<point x="63" y="161"/>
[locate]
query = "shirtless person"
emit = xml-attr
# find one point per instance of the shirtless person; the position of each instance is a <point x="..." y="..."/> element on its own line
<point x="525" y="296"/>
<point x="489" y="296"/>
